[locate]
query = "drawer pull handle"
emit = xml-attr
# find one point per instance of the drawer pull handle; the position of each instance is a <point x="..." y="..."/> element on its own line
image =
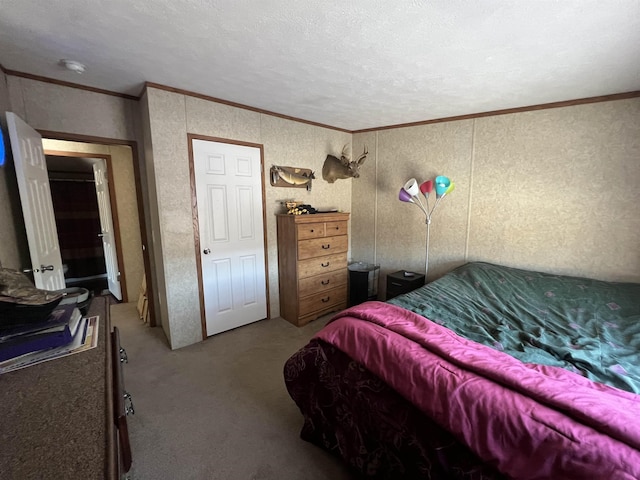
<point x="312" y="230"/>
<point x="396" y="284"/>
<point x="325" y="282"/>
<point x="325" y="300"/>
<point x="326" y="247"/>
<point x="324" y="264"/>
<point x="128" y="409"/>
<point x="337" y="228"/>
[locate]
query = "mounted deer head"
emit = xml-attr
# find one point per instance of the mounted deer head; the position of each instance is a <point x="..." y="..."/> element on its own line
<point x="335" y="169"/>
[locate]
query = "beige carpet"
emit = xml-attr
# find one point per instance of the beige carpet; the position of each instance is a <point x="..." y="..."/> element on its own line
<point x="218" y="409"/>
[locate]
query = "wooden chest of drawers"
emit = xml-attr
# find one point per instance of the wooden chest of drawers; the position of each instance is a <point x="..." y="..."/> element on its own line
<point x="312" y="265"/>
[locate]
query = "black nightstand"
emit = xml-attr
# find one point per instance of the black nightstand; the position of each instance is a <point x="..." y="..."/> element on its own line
<point x="399" y="283"/>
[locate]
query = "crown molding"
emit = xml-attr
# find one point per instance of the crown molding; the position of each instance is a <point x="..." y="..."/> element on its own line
<point x="64" y="83"/>
<point x="542" y="106"/>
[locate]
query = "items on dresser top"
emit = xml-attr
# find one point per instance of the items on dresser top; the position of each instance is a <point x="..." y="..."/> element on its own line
<point x="21" y="302"/>
<point x="58" y="329"/>
<point x="312" y="264"/>
<point x="79" y="335"/>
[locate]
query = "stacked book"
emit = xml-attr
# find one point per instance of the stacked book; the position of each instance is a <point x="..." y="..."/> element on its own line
<point x="61" y="332"/>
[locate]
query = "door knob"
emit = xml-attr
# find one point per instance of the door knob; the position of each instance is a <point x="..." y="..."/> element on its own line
<point x="30" y="270"/>
<point x="206" y="251"/>
<point x="44" y="268"/>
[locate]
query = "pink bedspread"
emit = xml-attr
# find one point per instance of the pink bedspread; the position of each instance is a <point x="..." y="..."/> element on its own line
<point x="530" y="421"/>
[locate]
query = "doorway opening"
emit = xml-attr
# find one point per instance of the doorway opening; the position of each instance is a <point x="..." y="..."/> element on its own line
<point x="75" y="206"/>
<point x="79" y="160"/>
<point x="125" y="171"/>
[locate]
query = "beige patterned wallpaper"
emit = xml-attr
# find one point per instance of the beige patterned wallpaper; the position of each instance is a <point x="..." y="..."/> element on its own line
<point x="47" y="106"/>
<point x="552" y="190"/>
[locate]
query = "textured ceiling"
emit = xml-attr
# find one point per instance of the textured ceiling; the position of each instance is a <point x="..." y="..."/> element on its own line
<point x="350" y="64"/>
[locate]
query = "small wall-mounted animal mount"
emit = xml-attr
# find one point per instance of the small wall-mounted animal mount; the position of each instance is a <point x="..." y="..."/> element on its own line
<point x="291" y="177"/>
<point x="335" y="169"/>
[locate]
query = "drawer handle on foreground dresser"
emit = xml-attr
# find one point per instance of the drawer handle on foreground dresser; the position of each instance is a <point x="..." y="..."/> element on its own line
<point x="396" y="284"/>
<point x="324" y="265"/>
<point x="325" y="282"/>
<point x="325" y="300"/>
<point x="128" y="409"/>
<point x="326" y="247"/>
<point x="123" y="356"/>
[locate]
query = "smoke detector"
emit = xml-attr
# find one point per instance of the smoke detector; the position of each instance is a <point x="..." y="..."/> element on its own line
<point x="73" y="66"/>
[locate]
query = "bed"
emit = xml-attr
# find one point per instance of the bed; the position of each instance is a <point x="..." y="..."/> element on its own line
<point x="490" y="372"/>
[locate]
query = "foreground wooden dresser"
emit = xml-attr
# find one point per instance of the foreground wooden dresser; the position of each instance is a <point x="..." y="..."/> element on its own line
<point x="57" y="418"/>
<point x="312" y="265"/>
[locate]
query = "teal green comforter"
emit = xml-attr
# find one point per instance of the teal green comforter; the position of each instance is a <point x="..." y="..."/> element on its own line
<point x="586" y="326"/>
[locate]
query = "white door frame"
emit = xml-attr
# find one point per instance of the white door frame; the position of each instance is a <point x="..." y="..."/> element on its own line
<point x="196" y="232"/>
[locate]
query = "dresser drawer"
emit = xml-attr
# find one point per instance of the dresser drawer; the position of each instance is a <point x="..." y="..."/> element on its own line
<point x="319" y="247"/>
<point x="323" y="300"/>
<point x="321" y="283"/>
<point x="336" y="228"/>
<point x="316" y="266"/>
<point x="310" y="230"/>
<point x="122" y="403"/>
<point x="322" y="229"/>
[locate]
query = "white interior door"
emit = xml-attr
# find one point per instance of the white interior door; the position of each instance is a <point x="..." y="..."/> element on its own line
<point x="106" y="227"/>
<point x="37" y="206"/>
<point x="230" y="219"/>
